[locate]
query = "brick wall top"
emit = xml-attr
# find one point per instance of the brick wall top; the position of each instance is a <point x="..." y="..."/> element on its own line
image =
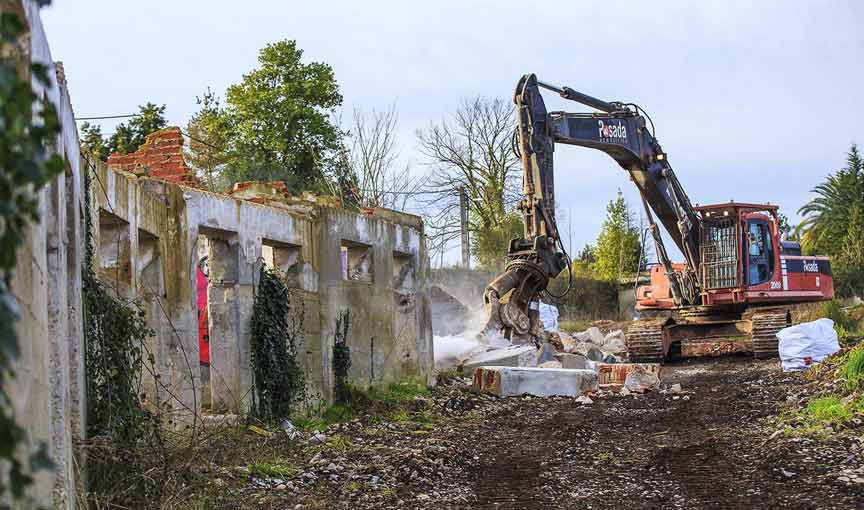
<point x="160" y="157"/>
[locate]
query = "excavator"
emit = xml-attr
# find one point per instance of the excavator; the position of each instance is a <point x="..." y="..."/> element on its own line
<point x="739" y="279"/>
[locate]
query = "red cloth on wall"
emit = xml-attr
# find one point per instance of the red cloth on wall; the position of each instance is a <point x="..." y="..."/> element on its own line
<point x="203" y="325"/>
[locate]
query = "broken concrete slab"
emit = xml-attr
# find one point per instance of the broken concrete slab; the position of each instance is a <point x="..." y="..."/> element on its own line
<point x="513" y="356"/>
<point x="540" y="382"/>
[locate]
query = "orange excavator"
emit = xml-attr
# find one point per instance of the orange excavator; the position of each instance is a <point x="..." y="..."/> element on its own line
<point x="737" y="283"/>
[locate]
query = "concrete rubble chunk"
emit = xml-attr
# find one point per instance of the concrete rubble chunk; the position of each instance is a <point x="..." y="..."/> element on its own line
<point x="539" y="382"/>
<point x="592" y="335"/>
<point x="513" y="356"/>
<point x="573" y="361"/>
<point x="545" y="354"/>
<point x="616" y="373"/>
<point x="562" y="341"/>
<point x="584" y="400"/>
<point x="614" y="342"/>
<point x="590" y="351"/>
<point x="640" y="380"/>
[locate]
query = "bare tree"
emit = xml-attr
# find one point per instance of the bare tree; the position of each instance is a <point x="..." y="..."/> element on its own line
<point x="471" y="149"/>
<point x="377" y="180"/>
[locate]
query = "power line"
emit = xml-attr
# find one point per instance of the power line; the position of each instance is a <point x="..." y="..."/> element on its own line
<point x="109" y="117"/>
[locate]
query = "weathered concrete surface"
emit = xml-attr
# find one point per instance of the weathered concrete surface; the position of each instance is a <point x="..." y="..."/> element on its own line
<point x="47" y="392"/>
<point x="513" y="356"/>
<point x="540" y="382"/>
<point x="390" y="335"/>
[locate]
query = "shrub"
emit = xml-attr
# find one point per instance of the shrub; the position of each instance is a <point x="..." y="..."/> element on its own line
<point x="829" y="409"/>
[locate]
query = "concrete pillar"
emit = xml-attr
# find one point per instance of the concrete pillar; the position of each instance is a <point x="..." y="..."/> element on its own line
<point x="223" y="296"/>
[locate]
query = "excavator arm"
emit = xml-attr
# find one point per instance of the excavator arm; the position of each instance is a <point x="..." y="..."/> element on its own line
<point x="620" y="131"/>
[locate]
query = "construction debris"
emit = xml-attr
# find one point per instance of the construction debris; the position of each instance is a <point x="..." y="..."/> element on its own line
<point x="540" y="382"/>
<point x="513" y="356"/>
<point x="640" y="379"/>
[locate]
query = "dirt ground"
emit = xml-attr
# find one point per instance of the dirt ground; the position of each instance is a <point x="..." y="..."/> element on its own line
<point x="709" y="447"/>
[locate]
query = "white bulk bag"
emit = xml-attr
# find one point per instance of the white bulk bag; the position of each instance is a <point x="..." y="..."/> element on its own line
<point x="803" y="344"/>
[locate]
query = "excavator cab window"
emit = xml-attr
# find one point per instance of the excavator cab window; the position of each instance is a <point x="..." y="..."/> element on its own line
<point x="760" y="251"/>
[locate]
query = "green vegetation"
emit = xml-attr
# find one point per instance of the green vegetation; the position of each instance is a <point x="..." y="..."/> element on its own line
<point x="396" y="394"/>
<point x="471" y="151"/>
<point x="342" y="359"/>
<point x="573" y="326"/>
<point x="278" y="379"/>
<point x="834" y="224"/>
<point x="276" y="124"/>
<point x="829" y="409"/>
<point x="618" y="245"/>
<point x="274" y="470"/>
<point x="127" y="137"/>
<point x="853" y="370"/>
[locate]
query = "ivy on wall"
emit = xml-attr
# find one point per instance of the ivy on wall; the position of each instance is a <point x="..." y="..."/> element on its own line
<point x="342" y="359"/>
<point x="28" y="128"/>
<point x="278" y="379"/>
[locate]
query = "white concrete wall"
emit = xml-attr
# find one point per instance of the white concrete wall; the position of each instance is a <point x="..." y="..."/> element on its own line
<point x="47" y="391"/>
<point x="236" y="232"/>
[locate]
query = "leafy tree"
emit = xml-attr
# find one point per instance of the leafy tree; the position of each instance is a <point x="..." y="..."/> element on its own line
<point x="92" y="140"/>
<point x="832" y="223"/>
<point x="849" y="263"/>
<point x="126" y="137"/>
<point x="826" y="216"/>
<point x="583" y="262"/>
<point x="472" y="150"/>
<point x="280" y="119"/>
<point x="783" y="224"/>
<point x="209" y="134"/>
<point x="618" y="245"/>
<point x="490" y="246"/>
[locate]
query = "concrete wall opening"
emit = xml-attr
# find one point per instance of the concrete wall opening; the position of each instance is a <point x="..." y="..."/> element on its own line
<point x="404" y="277"/>
<point x="284" y="258"/>
<point x="202" y="272"/>
<point x="357" y="263"/>
<point x="151" y="288"/>
<point x="223" y="319"/>
<point x="115" y="261"/>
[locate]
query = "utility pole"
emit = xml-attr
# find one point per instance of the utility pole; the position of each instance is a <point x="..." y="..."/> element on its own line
<point x="463" y="225"/>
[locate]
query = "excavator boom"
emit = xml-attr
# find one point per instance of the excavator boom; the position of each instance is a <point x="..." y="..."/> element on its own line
<point x="621" y="132"/>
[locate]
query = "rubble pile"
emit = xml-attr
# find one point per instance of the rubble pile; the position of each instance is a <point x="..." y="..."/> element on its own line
<point x="587" y="362"/>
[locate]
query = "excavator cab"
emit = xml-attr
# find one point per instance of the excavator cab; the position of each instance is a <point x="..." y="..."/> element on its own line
<point x="744" y="261"/>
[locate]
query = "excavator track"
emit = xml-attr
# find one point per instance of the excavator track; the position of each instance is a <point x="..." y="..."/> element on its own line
<point x="766" y="324"/>
<point x="644" y="340"/>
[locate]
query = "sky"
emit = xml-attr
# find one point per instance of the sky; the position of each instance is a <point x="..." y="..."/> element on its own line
<point x="752" y="101"/>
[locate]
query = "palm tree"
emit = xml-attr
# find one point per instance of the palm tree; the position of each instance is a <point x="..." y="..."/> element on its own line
<point x="826" y="217"/>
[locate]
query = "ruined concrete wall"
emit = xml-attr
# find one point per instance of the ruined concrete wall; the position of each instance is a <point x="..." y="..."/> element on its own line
<point x="47" y="392"/>
<point x="390" y="335"/>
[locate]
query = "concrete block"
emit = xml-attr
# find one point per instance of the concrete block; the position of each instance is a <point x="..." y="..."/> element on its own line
<point x="513" y="356"/>
<point x="540" y="382"/>
<point x="616" y="373"/>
